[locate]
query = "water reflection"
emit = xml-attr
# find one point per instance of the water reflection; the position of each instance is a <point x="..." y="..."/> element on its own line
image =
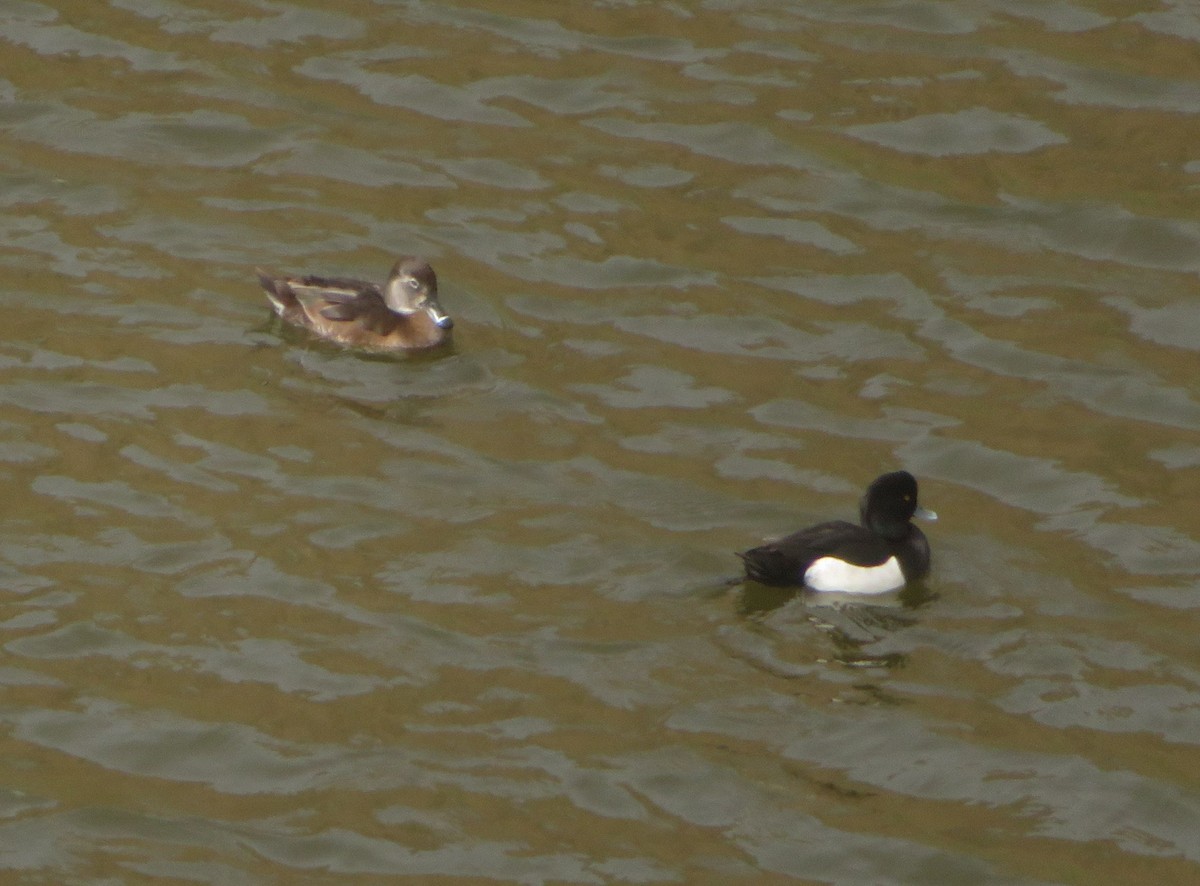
<point x="858" y="629"/>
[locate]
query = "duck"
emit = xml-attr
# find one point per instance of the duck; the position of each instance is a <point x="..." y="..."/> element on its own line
<point x="403" y="314"/>
<point x="882" y="554"/>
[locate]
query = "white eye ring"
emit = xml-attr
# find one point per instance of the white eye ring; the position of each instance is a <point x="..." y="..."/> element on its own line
<point x="413" y="283"/>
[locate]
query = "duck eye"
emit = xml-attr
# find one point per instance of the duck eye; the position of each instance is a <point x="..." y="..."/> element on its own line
<point x="413" y="284"/>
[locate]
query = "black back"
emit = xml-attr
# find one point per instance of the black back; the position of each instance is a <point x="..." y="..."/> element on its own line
<point x="886" y="511"/>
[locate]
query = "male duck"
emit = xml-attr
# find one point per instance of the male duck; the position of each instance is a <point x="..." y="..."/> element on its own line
<point x="403" y="314"/>
<point x="882" y="554"/>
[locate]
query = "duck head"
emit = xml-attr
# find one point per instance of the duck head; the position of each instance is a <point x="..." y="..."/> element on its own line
<point x="412" y="288"/>
<point x="890" y="503"/>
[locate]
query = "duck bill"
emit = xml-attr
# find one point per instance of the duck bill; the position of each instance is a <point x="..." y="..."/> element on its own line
<point x="438" y="316"/>
<point x="925" y="514"/>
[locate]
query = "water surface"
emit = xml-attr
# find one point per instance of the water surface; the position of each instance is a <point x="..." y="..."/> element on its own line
<point x="279" y="612"/>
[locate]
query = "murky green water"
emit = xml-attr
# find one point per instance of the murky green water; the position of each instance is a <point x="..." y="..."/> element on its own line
<point x="278" y="612"/>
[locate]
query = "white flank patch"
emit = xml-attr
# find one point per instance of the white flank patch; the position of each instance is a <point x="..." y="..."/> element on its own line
<point x="832" y="574"/>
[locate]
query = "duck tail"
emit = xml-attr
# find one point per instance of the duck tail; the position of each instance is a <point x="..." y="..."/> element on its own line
<point x="765" y="566"/>
<point x="282" y="298"/>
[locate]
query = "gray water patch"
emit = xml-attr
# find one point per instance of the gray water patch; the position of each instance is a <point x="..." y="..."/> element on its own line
<point x="972" y="131"/>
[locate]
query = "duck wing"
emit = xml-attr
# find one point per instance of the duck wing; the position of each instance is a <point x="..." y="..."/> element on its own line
<point x="784" y="561"/>
<point x="346" y="307"/>
<point x="345" y="300"/>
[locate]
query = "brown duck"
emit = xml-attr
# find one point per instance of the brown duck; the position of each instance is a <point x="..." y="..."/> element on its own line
<point x="403" y="314"/>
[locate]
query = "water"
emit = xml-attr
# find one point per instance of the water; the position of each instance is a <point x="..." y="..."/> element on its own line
<point x="278" y="612"/>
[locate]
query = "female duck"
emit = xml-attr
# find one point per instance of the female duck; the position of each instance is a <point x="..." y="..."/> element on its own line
<point x="882" y="554"/>
<point x="403" y="314"/>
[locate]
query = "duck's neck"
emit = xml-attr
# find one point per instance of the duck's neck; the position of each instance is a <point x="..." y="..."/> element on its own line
<point x="418" y="328"/>
<point x="889" y="527"/>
